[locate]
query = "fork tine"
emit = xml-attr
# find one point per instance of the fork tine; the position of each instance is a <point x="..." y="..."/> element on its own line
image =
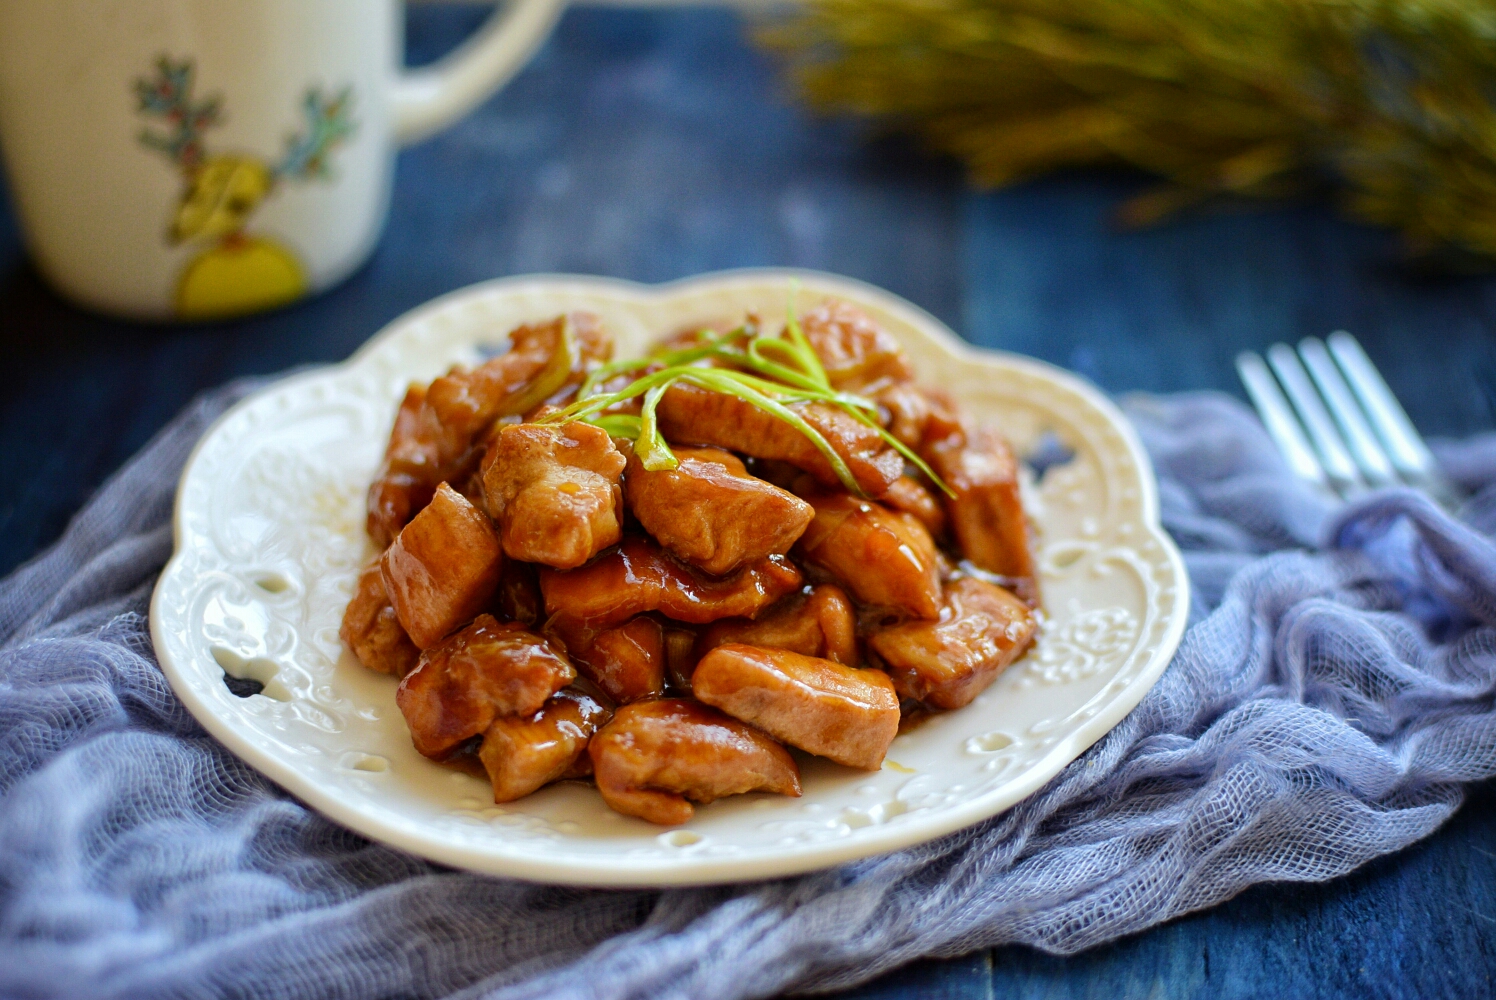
<point x="1279" y="420"/>
<point x="1338" y="465"/>
<point x="1405" y="447"/>
<point x="1364" y="447"/>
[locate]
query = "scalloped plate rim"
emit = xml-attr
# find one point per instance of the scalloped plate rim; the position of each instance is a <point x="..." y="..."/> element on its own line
<point x="686" y="870"/>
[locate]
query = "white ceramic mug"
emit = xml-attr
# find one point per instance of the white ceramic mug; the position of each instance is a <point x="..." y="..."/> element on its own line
<point x="195" y="159"/>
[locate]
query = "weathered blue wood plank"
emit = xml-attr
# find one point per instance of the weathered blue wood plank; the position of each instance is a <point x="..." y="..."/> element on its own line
<point x="1167" y="309"/>
<point x="965" y="978"/>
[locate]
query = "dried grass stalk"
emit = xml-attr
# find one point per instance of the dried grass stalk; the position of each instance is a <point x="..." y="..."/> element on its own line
<point x="1390" y="99"/>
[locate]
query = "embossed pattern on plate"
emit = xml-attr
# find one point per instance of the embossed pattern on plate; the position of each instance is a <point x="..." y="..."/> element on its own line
<point x="269" y="539"/>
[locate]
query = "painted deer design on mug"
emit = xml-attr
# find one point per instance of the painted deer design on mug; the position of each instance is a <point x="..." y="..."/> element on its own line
<point x="236" y="272"/>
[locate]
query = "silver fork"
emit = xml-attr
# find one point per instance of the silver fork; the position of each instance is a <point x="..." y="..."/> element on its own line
<point x="1338" y="425"/>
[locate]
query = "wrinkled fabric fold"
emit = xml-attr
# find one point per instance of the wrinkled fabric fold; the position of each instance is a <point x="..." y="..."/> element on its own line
<point x="1332" y="697"/>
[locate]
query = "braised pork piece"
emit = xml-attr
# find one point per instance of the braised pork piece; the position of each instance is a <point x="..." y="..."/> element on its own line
<point x="658" y="574"/>
<point x="524" y="752"/>
<point x="711" y="513"/>
<point x="820" y="706"/>
<point x="373" y="630"/>
<point x="484" y="672"/>
<point x="553" y="491"/>
<point x="656" y="755"/>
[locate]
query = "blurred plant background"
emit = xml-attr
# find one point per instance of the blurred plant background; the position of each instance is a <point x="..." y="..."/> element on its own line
<point x="1389" y="102"/>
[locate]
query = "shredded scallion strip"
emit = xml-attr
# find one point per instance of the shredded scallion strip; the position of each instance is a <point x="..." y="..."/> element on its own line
<point x="624" y="425"/>
<point x="653" y="451"/>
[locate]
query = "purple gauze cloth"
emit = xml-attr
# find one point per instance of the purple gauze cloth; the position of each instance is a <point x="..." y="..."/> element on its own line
<point x="1331" y="696"/>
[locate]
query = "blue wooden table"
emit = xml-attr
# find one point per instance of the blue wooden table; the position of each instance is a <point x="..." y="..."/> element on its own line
<point x="657" y="144"/>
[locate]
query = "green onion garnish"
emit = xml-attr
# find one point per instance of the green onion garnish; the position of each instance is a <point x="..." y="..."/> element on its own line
<point x="769" y="373"/>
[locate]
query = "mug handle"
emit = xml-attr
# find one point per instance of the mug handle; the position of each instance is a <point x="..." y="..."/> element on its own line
<point x="429" y="99"/>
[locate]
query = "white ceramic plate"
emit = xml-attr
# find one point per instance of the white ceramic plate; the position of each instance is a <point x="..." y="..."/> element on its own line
<point x="269" y="539"/>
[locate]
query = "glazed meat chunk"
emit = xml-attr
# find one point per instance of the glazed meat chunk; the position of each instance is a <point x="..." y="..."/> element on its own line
<point x="404" y="484"/>
<point x="908" y="496"/>
<point x="438" y="430"/>
<point x="467" y="402"/>
<point x="553" y="489"/>
<point x="819" y="623"/>
<point x="680" y="657"/>
<point x="947" y="663"/>
<point x="485" y="672"/>
<point x="824" y="708"/>
<point x="884" y="558"/>
<point x="523" y="753"/>
<point x="372" y="629"/>
<point x="518" y="597"/>
<point x="443" y="568"/>
<point x="639" y="576"/>
<point x="710" y="512"/>
<point x="626" y="661"/>
<point x="855" y="352"/>
<point x="905" y="409"/>
<point x="394" y="498"/>
<point x="986" y="513"/>
<point x="657" y="757"/>
<point x="699" y="416"/>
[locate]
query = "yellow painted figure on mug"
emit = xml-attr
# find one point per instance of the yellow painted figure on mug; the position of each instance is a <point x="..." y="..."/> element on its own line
<point x="236" y="272"/>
